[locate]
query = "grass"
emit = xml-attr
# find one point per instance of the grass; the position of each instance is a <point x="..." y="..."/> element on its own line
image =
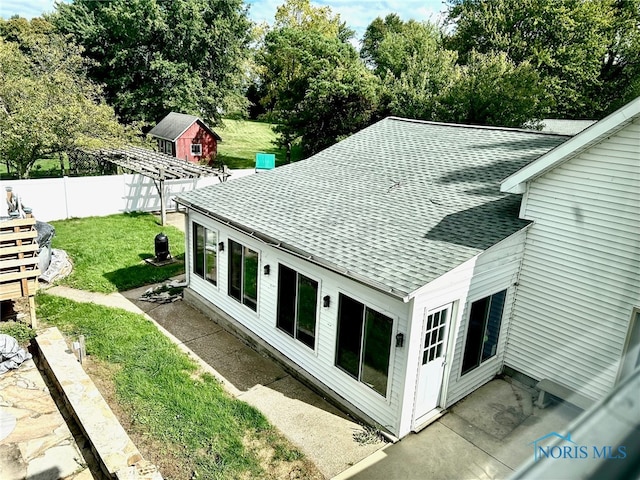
<point x="108" y="252"/>
<point x="187" y="414"/>
<point x="242" y="139"/>
<point x="18" y="330"/>
<point x="46" y="167"/>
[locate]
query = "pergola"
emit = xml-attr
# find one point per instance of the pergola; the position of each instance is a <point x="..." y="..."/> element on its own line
<point x="157" y="166"/>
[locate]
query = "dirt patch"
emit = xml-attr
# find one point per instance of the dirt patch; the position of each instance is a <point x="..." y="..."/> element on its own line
<point x="270" y="455"/>
<point x="165" y="457"/>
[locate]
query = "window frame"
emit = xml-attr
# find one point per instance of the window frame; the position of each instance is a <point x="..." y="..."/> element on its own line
<point x="480" y="355"/>
<point x="242" y="297"/>
<point x="362" y="344"/>
<point x="295" y="333"/>
<point x="199" y="152"/>
<point x="204" y="271"/>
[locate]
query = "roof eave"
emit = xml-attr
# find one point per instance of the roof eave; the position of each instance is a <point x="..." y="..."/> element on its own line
<point x="516" y="183"/>
<point x="275" y="243"/>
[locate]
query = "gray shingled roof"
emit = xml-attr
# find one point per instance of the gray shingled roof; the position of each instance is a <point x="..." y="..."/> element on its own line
<point x="174" y="124"/>
<point x="397" y="204"/>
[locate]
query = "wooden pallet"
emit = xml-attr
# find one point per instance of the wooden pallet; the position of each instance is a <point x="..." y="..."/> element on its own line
<point x="19" y="270"/>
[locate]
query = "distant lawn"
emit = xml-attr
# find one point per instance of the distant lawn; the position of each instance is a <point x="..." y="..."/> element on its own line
<point x="180" y="418"/>
<point x="47" y="167"/>
<point x="108" y="252"/>
<point x="242" y="139"/>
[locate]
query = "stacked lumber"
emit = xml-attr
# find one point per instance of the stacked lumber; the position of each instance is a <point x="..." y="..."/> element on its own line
<point x="19" y="262"/>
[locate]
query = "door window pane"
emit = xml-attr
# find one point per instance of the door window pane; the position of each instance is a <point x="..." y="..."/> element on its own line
<point x="364" y="343"/>
<point x="250" y="274"/>
<point x="307" y="308"/>
<point x="235" y="270"/>
<point x="204" y="253"/>
<point x="377" y="349"/>
<point x="481" y="343"/>
<point x="350" y="323"/>
<point x="198" y="249"/>
<point x="211" y="264"/>
<point x="493" y="325"/>
<point x="286" y="300"/>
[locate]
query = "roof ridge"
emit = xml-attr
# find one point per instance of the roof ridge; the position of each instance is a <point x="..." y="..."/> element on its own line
<point x="477" y="127"/>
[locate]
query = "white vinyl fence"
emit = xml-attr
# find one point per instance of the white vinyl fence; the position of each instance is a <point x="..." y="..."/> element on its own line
<point x="68" y="197"/>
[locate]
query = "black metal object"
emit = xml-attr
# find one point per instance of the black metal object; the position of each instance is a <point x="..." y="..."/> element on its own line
<point x="162" y="247"/>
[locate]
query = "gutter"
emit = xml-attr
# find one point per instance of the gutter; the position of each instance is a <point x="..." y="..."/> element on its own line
<point x="297" y="252"/>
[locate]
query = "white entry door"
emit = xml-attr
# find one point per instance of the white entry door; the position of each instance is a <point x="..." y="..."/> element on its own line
<point x="432" y="356"/>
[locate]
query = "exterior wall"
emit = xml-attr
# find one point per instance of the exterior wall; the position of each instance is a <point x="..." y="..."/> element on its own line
<point x="492" y="271"/>
<point x="192" y="135"/>
<point x="580" y="275"/>
<point x="318" y="363"/>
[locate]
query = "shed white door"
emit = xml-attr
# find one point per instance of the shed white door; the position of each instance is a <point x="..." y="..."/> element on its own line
<point x="431" y="370"/>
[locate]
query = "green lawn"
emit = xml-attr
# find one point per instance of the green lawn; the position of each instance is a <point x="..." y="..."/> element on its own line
<point x="191" y="423"/>
<point x="47" y="167"/>
<point x="242" y="139"/>
<point x="108" y="252"/>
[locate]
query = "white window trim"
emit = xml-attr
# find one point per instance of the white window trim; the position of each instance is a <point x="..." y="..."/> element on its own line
<point x="199" y="153"/>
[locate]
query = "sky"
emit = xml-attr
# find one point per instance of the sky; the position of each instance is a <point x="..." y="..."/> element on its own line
<point x="357" y="14"/>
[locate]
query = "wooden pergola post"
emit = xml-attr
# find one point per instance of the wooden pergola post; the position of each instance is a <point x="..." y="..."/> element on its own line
<point x="163" y="207"/>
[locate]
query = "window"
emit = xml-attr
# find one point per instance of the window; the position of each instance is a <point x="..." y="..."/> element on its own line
<point x="196" y="149"/>
<point x="243" y="274"/>
<point x="297" y="305"/>
<point x="364" y="343"/>
<point x="484" y="327"/>
<point x="204" y="253"/>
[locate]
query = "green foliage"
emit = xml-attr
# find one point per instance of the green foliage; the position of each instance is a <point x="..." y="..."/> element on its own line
<point x="585" y="51"/>
<point x="301" y="14"/>
<point x="375" y="34"/>
<point x="108" y="252"/>
<point x="492" y="90"/>
<point x="18" y="330"/>
<point x="156" y="56"/>
<point x="315" y="86"/>
<point x="158" y="387"/>
<point x="46" y="103"/>
<point x="415" y="68"/>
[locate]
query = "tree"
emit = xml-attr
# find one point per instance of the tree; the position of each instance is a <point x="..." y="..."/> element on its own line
<point x="316" y="87"/>
<point x="301" y="14"/>
<point x="375" y="34"/>
<point x="584" y="50"/>
<point x="155" y="56"/>
<point x="46" y="103"/>
<point x="492" y="90"/>
<point x="414" y="67"/>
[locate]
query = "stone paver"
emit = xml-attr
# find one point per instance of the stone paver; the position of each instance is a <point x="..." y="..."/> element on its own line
<point x="35" y="441"/>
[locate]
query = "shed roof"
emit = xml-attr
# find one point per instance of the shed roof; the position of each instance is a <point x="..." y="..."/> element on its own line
<point x="394" y="206"/>
<point x="175" y="124"/>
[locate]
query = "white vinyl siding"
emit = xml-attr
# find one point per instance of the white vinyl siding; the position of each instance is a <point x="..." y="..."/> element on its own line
<point x="319" y="363"/>
<point x="581" y="268"/>
<point x="494" y="270"/>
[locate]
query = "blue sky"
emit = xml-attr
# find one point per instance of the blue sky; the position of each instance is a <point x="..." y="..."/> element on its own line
<point x="356" y="13"/>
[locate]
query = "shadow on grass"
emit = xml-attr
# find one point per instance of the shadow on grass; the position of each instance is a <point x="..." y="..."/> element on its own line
<point x="144" y="273"/>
